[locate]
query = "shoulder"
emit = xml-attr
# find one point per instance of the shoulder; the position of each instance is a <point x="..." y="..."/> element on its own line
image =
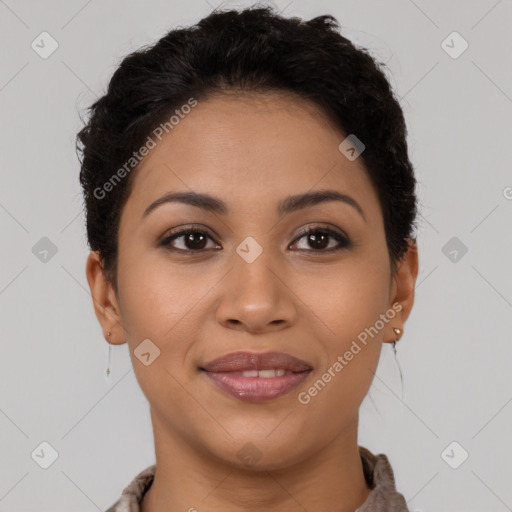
<point x="380" y="478"/>
<point x="133" y="493"/>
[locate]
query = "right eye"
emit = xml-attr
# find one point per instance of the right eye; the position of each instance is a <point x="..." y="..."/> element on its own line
<point x="194" y="240"/>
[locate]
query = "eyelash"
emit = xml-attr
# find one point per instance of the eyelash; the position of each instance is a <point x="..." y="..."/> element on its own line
<point x="342" y="240"/>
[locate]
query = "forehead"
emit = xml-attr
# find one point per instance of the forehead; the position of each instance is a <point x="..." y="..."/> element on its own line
<point x="248" y="148"/>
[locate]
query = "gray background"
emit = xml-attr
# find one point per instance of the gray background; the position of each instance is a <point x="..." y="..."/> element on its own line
<point x="456" y="350"/>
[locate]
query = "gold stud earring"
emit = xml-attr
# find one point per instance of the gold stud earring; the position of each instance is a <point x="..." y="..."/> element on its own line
<point x="398" y="332"/>
<point x="108" y="372"/>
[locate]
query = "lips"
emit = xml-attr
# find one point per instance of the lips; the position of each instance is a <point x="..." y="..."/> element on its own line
<point x="254" y="377"/>
<point x="247" y="361"/>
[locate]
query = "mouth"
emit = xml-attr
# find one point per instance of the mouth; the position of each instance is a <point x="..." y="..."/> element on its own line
<point x="256" y="377"/>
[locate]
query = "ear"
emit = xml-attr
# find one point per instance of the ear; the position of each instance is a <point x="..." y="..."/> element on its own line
<point x="104" y="300"/>
<point x="402" y="291"/>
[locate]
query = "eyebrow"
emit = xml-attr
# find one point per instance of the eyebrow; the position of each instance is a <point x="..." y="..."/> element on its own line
<point x="286" y="206"/>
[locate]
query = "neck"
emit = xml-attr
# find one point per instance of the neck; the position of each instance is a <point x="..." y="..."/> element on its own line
<point x="189" y="479"/>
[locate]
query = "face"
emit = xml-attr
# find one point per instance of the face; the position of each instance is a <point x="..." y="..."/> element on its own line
<point x="255" y="272"/>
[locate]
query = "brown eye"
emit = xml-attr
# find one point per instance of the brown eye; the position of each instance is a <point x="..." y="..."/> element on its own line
<point x="194" y="240"/>
<point x="321" y="240"/>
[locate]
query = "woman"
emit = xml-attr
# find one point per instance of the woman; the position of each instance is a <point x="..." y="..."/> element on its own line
<point x="250" y="209"/>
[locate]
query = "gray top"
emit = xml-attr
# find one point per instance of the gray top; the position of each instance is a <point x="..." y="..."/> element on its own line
<point x="377" y="472"/>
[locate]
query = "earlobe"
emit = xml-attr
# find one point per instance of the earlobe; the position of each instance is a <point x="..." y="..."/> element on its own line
<point x="105" y="304"/>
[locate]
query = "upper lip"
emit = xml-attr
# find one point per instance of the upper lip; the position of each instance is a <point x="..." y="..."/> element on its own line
<point x="243" y="361"/>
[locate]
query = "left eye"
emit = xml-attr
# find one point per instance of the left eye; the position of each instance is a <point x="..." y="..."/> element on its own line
<point x="318" y="237"/>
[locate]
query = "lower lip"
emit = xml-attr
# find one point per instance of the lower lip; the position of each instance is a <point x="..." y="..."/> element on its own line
<point x="256" y="389"/>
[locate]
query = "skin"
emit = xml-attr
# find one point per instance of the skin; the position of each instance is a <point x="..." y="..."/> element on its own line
<point x="252" y="152"/>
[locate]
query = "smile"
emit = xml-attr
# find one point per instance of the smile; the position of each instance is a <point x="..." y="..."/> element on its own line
<point x="257" y="386"/>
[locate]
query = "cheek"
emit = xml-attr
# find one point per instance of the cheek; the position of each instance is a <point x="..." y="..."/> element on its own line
<point x="345" y="299"/>
<point x="157" y="295"/>
<point x="158" y="302"/>
<point x="347" y="305"/>
<point x="165" y="302"/>
<point x="346" y="302"/>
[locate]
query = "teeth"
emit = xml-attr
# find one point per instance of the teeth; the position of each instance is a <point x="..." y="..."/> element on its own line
<point x="265" y="373"/>
<point x="251" y="373"/>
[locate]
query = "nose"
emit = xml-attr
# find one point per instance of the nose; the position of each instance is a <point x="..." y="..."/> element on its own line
<point x="256" y="297"/>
